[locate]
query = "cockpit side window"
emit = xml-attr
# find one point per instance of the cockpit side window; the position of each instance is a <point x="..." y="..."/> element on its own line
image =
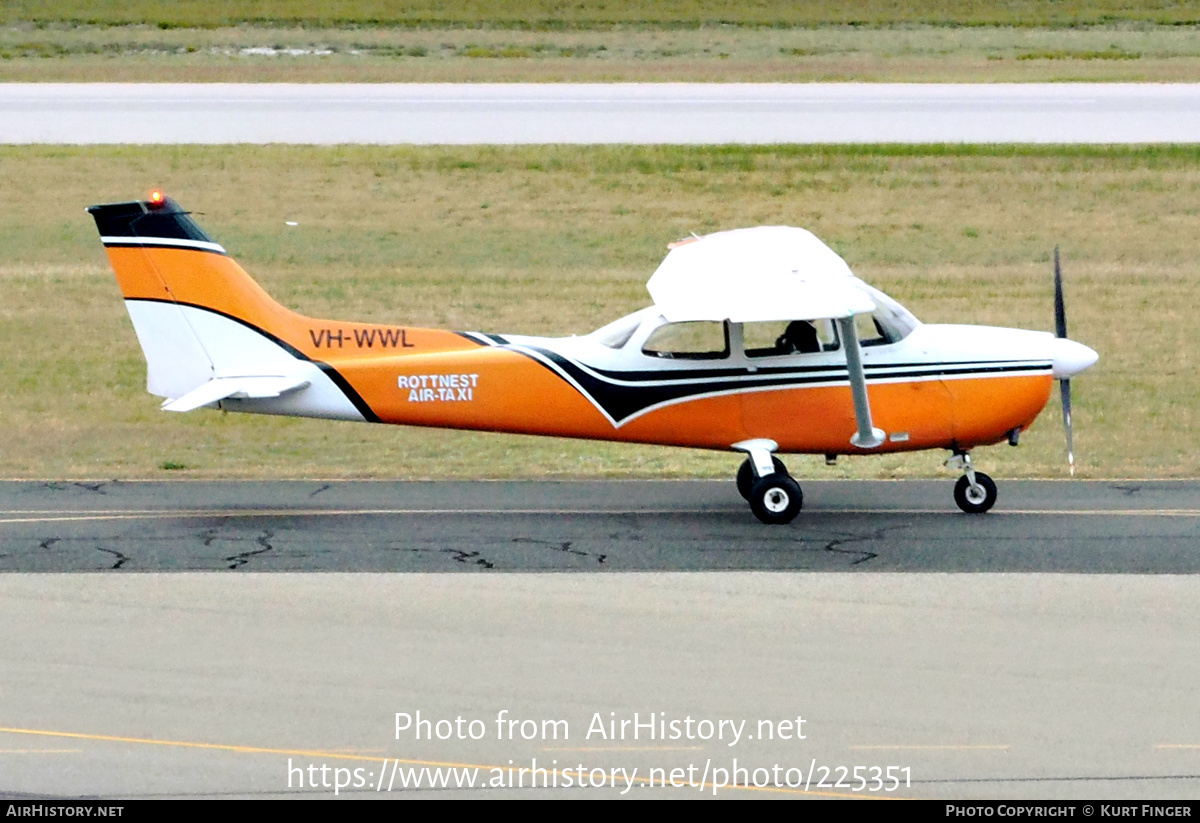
<point x="690" y="340"/>
<point x="784" y="337"/>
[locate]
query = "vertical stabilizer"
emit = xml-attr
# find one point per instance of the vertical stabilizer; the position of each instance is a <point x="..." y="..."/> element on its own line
<point x="208" y="331"/>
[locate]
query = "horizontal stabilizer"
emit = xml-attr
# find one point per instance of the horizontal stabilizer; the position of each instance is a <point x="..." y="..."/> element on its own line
<point x="224" y="388"/>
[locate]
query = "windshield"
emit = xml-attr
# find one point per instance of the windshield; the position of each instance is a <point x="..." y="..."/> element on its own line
<point x="893" y="320"/>
<point x="617" y="333"/>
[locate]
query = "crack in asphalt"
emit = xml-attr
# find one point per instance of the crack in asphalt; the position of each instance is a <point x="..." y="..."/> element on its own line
<point x="242" y="558"/>
<point x="879" y="534"/>
<point x="98" y="488"/>
<point x="1128" y="489"/>
<point x="48" y="542"/>
<point x="564" y="546"/>
<point x="462" y="557"/>
<point x="325" y="487"/>
<point x="458" y="555"/>
<point x="121" y="559"/>
<point x="56" y="486"/>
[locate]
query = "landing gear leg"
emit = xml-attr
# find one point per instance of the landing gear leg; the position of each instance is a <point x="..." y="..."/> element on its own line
<point x="974" y="492"/>
<point x="746" y="476"/>
<point x="775" y="498"/>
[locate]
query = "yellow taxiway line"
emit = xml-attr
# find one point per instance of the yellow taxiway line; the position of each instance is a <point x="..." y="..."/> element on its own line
<point x="334" y="755"/>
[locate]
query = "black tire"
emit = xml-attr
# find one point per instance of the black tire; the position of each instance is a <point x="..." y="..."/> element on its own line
<point x="978" y="500"/>
<point x="745" y="475"/>
<point x="776" y="499"/>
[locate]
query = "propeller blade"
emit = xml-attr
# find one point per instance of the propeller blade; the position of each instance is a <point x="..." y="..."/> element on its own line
<point x="1060" y="312"/>
<point x="1060" y="330"/>
<point x="1065" y="388"/>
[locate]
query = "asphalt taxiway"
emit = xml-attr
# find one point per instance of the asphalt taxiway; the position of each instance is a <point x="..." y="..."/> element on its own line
<point x="957" y="686"/>
<point x="149" y="679"/>
<point x="588" y="526"/>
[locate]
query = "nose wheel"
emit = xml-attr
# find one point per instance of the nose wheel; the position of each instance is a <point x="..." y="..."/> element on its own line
<point x="974" y="492"/>
<point x="977" y="497"/>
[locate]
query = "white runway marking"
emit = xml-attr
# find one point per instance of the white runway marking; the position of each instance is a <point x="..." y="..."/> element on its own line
<point x="66" y="516"/>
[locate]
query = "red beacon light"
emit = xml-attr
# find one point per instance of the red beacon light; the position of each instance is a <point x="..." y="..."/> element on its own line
<point x="157" y="199"/>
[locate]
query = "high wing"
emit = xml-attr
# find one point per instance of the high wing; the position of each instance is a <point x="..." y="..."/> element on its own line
<point x="769" y="273"/>
<point x="761" y="274"/>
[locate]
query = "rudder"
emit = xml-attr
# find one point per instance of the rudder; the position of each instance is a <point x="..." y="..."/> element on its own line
<point x="207" y="330"/>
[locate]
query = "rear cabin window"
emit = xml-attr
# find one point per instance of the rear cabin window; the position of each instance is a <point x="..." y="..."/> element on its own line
<point x="784" y="337"/>
<point x="692" y="340"/>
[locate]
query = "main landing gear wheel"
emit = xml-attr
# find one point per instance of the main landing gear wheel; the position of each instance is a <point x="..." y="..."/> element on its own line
<point x="978" y="498"/>
<point x="776" y="499"/>
<point x="745" y="475"/>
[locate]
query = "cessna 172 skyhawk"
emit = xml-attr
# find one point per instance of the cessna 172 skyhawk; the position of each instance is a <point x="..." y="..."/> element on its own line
<point x="759" y="340"/>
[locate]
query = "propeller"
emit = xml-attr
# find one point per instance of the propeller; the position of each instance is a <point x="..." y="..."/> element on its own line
<point x="1060" y="331"/>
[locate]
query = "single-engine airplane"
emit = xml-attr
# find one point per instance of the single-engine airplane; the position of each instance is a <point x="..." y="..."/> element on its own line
<point x="760" y="340"/>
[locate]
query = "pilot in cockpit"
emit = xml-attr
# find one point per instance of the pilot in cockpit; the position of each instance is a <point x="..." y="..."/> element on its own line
<point x="800" y="337"/>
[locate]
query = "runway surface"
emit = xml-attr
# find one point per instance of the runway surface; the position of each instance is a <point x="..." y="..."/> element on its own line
<point x="88" y="113"/>
<point x="591" y="526"/>
<point x="172" y="683"/>
<point x="205" y="685"/>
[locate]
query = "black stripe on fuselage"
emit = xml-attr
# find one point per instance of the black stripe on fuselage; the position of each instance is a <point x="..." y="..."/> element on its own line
<point x="482" y="338"/>
<point x="333" y="374"/>
<point x="831" y="370"/>
<point x="624" y="395"/>
<point x="472" y="337"/>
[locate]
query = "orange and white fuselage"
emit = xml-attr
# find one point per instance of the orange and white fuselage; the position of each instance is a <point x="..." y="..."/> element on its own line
<point x="212" y="336"/>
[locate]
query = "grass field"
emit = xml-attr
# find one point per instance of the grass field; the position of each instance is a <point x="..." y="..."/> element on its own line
<point x="726" y="54"/>
<point x="145" y="53"/>
<point x="558" y="240"/>
<point x="598" y="41"/>
<point x="582" y="14"/>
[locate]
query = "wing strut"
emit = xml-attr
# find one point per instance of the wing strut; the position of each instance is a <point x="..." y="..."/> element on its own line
<point x="867" y="436"/>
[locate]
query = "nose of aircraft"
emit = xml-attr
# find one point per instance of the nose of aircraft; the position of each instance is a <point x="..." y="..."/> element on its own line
<point x="1070" y="358"/>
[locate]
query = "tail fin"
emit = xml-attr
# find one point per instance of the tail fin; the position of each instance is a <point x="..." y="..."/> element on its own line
<point x="208" y="331"/>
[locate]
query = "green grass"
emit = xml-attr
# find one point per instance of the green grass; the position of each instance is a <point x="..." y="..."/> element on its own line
<point x="598" y="41"/>
<point x="917" y="53"/>
<point x="599" y="13"/>
<point x="565" y="243"/>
